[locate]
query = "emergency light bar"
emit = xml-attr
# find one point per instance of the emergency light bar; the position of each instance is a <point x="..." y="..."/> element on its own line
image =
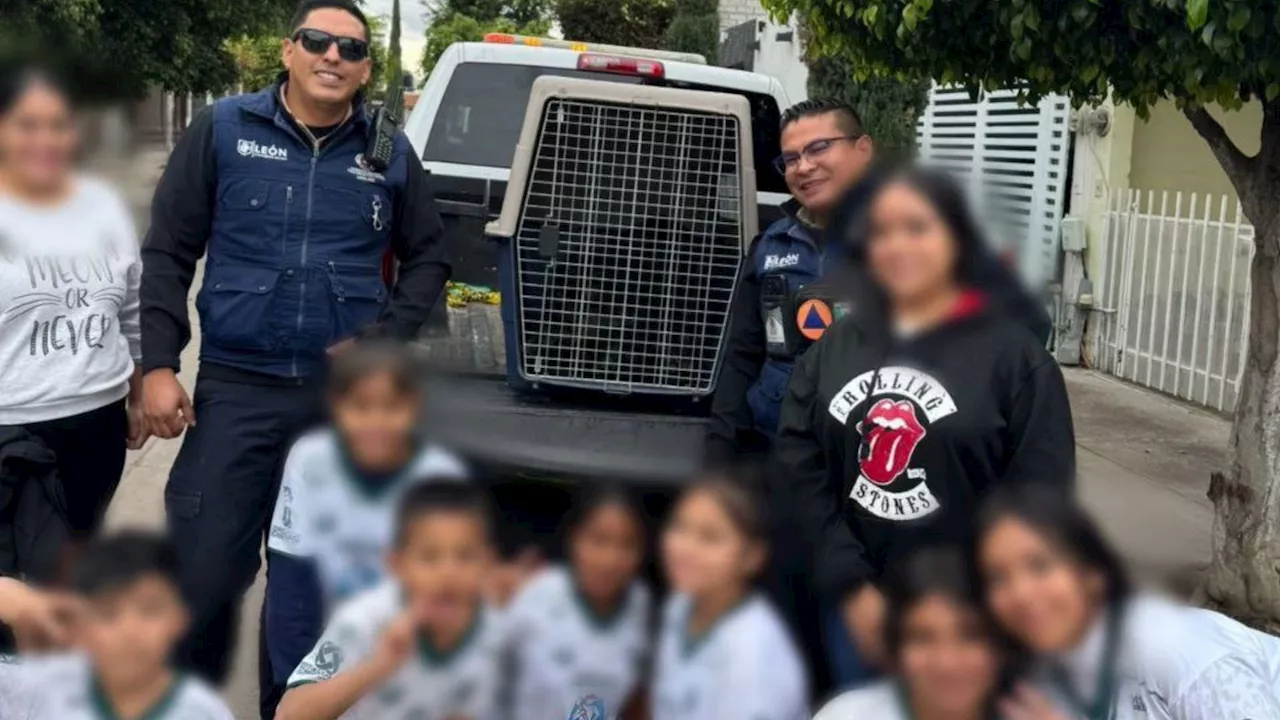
<point x="531" y="41"/>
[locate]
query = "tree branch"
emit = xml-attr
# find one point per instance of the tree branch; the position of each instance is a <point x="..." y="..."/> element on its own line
<point x="1235" y="163"/>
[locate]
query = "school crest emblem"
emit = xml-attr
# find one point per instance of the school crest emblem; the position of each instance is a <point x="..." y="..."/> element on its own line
<point x="588" y="707"/>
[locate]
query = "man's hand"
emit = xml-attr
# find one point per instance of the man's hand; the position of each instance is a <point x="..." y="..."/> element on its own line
<point x="168" y="407"/>
<point x="39" y="620"/>
<point x="864" y="617"/>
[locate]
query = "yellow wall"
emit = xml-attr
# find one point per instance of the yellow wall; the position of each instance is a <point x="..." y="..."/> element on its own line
<point x="1168" y="154"/>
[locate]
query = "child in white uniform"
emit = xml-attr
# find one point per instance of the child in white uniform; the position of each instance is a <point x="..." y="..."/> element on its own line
<point x="422" y="645"/>
<point x="131" y="618"/>
<point x="1057" y="588"/>
<point x="578" y="634"/>
<point x="944" y="657"/>
<point x="332" y="524"/>
<point x="723" y="651"/>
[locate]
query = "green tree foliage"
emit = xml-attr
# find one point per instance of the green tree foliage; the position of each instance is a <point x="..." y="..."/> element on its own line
<point x="469" y="21"/>
<point x="695" y="28"/>
<point x="1191" y="52"/>
<point x="257" y="60"/>
<point x="120" y="47"/>
<point x="888" y="107"/>
<point x="634" y="23"/>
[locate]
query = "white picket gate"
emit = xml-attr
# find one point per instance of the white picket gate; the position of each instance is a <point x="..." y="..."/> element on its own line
<point x="1172" y="306"/>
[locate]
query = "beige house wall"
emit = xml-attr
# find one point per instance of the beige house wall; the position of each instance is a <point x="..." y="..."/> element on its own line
<point x="1168" y="154"/>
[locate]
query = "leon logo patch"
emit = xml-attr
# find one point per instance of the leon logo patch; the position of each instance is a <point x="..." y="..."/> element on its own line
<point x="897" y="414"/>
<point x="251" y="148"/>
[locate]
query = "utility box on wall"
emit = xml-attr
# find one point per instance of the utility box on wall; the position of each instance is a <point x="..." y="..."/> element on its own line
<point x="763" y="47"/>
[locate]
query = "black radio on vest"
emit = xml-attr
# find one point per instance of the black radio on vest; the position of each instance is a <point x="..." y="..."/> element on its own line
<point x="386" y="123"/>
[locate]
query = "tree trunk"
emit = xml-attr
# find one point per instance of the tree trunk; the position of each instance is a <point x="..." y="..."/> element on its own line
<point x="1244" y="578"/>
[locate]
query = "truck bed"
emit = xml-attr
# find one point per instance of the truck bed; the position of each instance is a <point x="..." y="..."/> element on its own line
<point x="471" y="408"/>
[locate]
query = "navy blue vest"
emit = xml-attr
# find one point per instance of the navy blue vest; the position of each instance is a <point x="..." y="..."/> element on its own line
<point x="789" y="252"/>
<point x="297" y="238"/>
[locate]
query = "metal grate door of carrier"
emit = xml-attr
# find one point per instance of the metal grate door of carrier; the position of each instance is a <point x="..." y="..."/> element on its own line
<point x="629" y="243"/>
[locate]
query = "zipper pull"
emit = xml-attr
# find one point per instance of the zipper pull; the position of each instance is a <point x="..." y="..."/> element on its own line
<point x="288" y="194"/>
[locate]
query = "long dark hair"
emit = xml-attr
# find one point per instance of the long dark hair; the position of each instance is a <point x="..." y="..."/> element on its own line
<point x="1055" y="516"/>
<point x="16" y="81"/>
<point x="947" y="198"/>
<point x="941" y="571"/>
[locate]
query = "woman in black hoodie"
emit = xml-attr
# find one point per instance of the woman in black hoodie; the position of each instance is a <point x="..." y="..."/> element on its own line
<point x="928" y="394"/>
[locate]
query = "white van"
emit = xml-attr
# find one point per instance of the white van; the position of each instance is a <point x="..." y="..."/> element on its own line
<point x="467" y="120"/>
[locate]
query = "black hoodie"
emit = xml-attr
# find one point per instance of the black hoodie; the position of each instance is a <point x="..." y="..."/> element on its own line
<point x="957" y="410"/>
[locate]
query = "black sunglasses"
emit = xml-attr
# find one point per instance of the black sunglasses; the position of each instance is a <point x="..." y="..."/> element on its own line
<point x="810" y="151"/>
<point x="317" y="42"/>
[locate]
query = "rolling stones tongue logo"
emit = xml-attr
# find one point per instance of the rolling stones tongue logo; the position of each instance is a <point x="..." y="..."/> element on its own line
<point x="890" y="433"/>
<point x="893" y="410"/>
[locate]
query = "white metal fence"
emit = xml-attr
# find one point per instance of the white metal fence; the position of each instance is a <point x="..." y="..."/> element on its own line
<point x="1172" y="307"/>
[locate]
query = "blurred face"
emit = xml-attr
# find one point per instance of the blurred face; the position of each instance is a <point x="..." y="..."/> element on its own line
<point x="606" y="551"/>
<point x="821" y="163"/>
<point x="703" y="551"/>
<point x="130" y="632"/>
<point x="947" y="660"/>
<point x="442" y="567"/>
<point x="911" y="252"/>
<point x="1043" y="598"/>
<point x="38" y="139"/>
<point x="376" y="420"/>
<point x="316" y="63"/>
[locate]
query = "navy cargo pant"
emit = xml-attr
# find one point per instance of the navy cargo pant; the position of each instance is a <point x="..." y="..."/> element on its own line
<point x="219" y="500"/>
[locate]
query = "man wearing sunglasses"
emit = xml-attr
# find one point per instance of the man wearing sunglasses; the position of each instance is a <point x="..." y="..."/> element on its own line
<point x="274" y="189"/>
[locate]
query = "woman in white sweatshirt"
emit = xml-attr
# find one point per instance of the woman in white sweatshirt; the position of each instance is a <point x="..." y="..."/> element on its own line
<point x="1101" y="651"/>
<point x="69" y="275"/>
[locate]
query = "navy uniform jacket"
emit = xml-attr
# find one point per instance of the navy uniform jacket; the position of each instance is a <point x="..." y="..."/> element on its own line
<point x="752" y="382"/>
<point x="294" y="238"/>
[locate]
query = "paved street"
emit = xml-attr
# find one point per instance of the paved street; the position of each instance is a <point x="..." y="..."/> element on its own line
<point x="1144" y="462"/>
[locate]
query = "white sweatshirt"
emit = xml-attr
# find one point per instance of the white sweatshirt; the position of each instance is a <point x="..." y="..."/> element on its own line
<point x="69" y="310"/>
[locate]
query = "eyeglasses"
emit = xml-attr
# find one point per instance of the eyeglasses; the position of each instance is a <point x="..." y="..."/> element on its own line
<point x="814" y="149"/>
<point x="317" y="42"/>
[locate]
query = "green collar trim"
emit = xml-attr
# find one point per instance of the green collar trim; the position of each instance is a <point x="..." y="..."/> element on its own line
<point x="374" y="487"/>
<point x="103" y="709"/>
<point x="435" y="657"/>
<point x="691" y="643"/>
<point x="595" y="619"/>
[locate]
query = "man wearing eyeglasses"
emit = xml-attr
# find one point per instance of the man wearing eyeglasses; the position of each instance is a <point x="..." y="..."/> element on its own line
<point x="825" y="155"/>
<point x="274" y="189"/>
<point x="826" y="160"/>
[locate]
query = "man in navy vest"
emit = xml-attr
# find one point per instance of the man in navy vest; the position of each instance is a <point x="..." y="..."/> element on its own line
<point x="274" y="190"/>
<point x="825" y="157"/>
<point x="826" y="160"/>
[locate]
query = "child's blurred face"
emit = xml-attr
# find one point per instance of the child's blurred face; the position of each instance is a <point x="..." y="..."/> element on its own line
<point x="130" y="631"/>
<point x="703" y="550"/>
<point x="442" y="565"/>
<point x="606" y="551"/>
<point x="946" y="658"/>
<point x="376" y="419"/>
